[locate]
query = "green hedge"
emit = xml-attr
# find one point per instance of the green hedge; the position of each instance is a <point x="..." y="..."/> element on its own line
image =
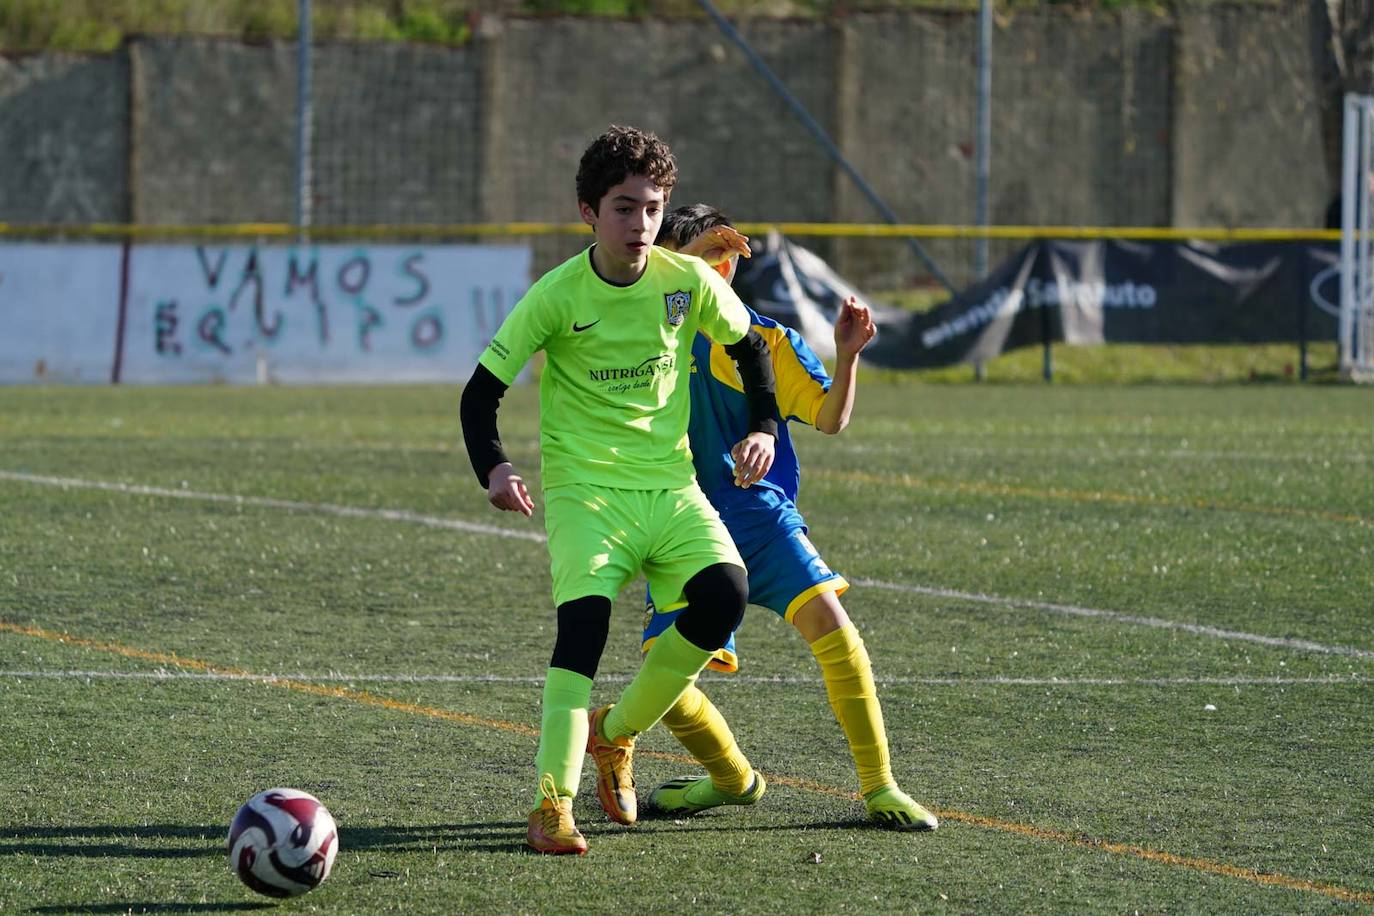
<point x="101" y="25"/>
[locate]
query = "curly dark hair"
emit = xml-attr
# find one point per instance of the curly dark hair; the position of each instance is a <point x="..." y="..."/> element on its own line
<point x="616" y="155"/>
<point x="685" y="223"/>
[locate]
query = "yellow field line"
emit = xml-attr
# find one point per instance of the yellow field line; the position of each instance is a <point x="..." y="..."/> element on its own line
<point x="283" y="231"/>
<point x="391" y="231"/>
<point x="341" y="693"/>
<point x="911" y="481"/>
<point x="1270" y="879"/>
<point x="1027" y="233"/>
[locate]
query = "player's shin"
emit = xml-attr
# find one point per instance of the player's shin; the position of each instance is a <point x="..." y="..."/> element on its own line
<point x="854" y="698"/>
<point x="670" y="667"/>
<point x="563" y="729"/>
<point x="703" y="731"/>
<point x="715" y="605"/>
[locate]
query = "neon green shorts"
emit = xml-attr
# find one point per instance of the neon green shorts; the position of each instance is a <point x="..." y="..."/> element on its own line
<point x="601" y="537"/>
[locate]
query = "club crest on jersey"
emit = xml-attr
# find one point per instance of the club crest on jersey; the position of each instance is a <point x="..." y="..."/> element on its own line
<point x="678" y="304"/>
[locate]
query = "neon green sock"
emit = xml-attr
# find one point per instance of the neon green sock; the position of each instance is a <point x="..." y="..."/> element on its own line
<point x="703" y="731"/>
<point x="670" y="667"/>
<point x="854" y="699"/>
<point x="563" y="729"/>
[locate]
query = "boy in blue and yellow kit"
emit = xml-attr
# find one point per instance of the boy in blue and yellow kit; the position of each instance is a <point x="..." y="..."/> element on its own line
<point x="786" y="573"/>
<point x="616" y="323"/>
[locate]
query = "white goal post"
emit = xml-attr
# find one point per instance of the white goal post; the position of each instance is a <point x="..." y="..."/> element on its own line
<point x="1357" y="245"/>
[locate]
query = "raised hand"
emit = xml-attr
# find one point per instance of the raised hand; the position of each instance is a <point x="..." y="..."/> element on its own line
<point x="854" y="328"/>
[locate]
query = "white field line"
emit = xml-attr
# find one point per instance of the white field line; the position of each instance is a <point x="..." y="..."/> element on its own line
<point x="1160" y="623"/>
<point x="1302" y="645"/>
<point x="1319" y="458"/>
<point x="167" y="674"/>
<point x="394" y="515"/>
<point x="1321" y="455"/>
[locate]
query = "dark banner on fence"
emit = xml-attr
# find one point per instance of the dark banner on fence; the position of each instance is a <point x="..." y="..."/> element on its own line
<point x="1076" y="292"/>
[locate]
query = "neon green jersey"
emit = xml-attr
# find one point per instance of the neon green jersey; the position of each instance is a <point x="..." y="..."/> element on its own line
<point x="613" y="398"/>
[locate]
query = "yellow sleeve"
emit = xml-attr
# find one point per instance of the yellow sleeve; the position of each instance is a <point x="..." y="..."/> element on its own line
<point x="800" y="395"/>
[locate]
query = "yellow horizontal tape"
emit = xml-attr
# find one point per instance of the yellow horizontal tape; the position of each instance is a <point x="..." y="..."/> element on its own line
<point x="834" y="230"/>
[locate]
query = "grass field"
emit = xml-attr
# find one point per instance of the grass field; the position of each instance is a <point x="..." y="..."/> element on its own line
<point x="1122" y="634"/>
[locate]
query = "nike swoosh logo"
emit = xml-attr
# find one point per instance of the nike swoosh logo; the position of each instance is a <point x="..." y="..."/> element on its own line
<point x="579" y="328"/>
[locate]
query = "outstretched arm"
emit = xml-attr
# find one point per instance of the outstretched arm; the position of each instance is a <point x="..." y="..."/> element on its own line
<point x="853" y="331"/>
<point x="753" y="455"/>
<point x="506" y="490"/>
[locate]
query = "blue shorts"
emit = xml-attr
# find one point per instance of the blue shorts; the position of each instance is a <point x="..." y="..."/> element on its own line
<point x="785" y="572"/>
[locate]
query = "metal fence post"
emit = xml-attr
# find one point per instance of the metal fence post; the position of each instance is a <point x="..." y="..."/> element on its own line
<point x="304" y="121"/>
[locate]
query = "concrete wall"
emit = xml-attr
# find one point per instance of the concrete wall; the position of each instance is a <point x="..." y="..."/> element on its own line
<point x="1247" y="141"/>
<point x="1134" y="118"/>
<point x="64" y="139"/>
<point x="398" y="134"/>
<point x="735" y="144"/>
<point x="1080" y="133"/>
<point x="212" y="136"/>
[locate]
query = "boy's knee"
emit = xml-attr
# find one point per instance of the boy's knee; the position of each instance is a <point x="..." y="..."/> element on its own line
<point x="820" y="616"/>
<point x="716" y="598"/>
<point x="583" y="625"/>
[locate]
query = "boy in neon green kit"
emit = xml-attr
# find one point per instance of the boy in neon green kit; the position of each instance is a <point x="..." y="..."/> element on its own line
<point x="616" y="323"/>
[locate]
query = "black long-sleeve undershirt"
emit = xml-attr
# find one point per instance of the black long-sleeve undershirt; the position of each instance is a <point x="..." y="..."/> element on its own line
<point x="755" y="364"/>
<point x="477" y="410"/>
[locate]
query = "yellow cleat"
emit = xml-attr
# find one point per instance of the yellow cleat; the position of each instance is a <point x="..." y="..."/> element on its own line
<point x="686" y="795"/>
<point x="615" y="780"/>
<point x="552" y="830"/>
<point x="892" y="807"/>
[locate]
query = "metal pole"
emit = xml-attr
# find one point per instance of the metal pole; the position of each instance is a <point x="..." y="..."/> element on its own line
<point x="1349" y="275"/>
<point x="983" y="151"/>
<point x="1302" y="338"/>
<point x="1361" y="194"/>
<point x="1047" y="358"/>
<point x="304" y="121"/>
<point x="821" y="136"/>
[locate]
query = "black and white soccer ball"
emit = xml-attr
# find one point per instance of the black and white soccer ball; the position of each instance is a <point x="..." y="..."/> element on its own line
<point x="282" y="842"/>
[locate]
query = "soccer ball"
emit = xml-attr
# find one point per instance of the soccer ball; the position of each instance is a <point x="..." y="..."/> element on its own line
<point x="282" y="842"/>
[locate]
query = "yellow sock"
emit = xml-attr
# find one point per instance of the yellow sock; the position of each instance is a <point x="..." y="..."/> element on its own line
<point x="703" y="731"/>
<point x="854" y="699"/>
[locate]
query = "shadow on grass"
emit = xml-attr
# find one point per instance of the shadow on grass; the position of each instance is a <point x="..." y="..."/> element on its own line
<point x="150" y="841"/>
<point x="98" y="840"/>
<point x="482" y="836"/>
<point x="509" y="836"/>
<point x="720" y="821"/>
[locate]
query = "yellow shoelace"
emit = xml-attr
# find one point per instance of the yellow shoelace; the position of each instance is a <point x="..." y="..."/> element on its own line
<point x="557" y="819"/>
<point x="548" y="788"/>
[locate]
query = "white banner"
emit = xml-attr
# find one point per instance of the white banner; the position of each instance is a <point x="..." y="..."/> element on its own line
<point x="242" y="313"/>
